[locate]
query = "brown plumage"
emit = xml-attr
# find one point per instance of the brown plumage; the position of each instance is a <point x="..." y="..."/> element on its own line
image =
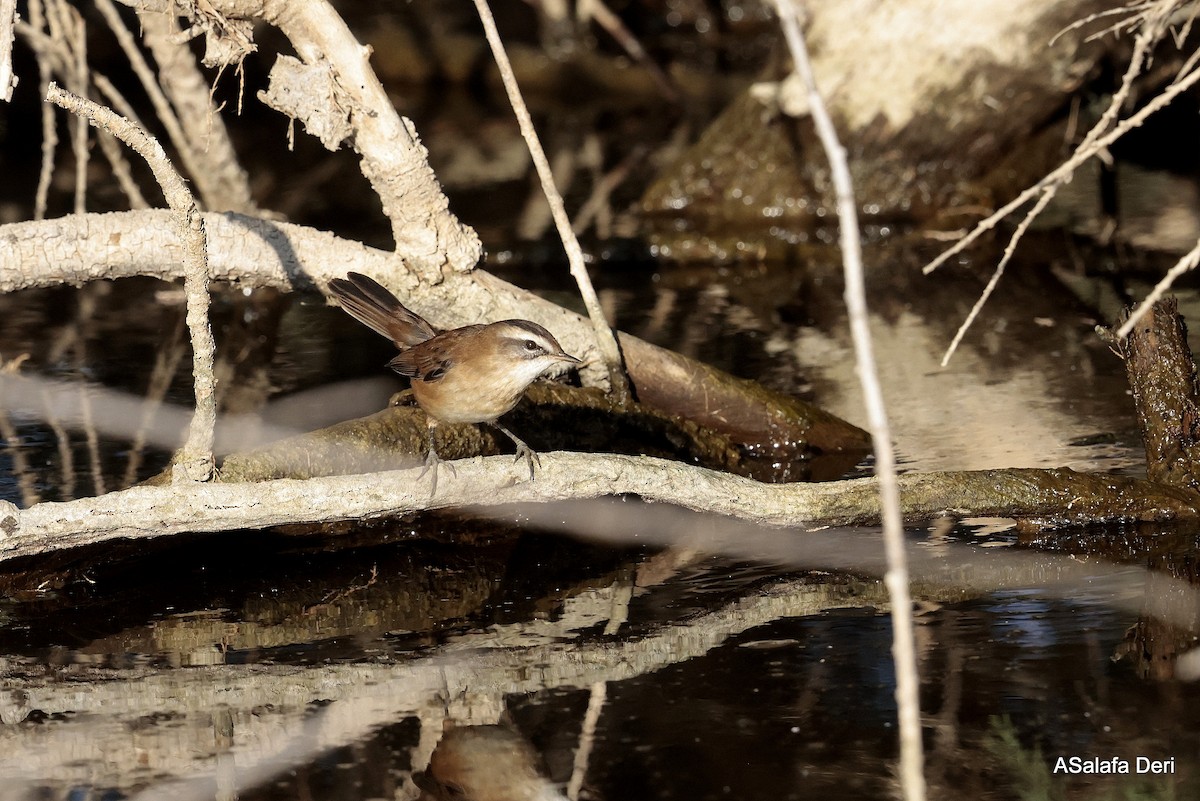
<point x="472" y="374"/>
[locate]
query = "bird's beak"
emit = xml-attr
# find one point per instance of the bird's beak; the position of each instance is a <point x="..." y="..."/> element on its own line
<point x="567" y="358"/>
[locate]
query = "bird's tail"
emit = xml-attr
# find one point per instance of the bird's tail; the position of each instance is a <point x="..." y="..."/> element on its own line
<point x="374" y="306"/>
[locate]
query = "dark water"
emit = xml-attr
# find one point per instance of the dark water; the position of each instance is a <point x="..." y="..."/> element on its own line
<point x="284" y="665"/>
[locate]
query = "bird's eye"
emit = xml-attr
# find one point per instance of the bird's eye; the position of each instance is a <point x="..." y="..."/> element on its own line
<point x="531" y="346"/>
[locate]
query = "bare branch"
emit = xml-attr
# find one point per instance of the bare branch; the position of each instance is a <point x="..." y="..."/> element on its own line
<point x="912" y="778"/>
<point x="42" y="52"/>
<point x="256" y="252"/>
<point x="606" y="341"/>
<point x="1041" y="204"/>
<point x="220" y="181"/>
<point x="195" y="460"/>
<point x="1067" y="169"/>
<point x="112" y="150"/>
<point x="8" y="19"/>
<point x="1185" y="264"/>
<point x="148" y="512"/>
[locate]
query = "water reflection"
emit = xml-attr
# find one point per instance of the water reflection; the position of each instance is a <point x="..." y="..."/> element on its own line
<point x="395" y="659"/>
<point x="717" y="674"/>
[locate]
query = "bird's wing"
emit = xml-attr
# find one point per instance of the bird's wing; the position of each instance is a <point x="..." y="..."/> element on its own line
<point x="430" y="360"/>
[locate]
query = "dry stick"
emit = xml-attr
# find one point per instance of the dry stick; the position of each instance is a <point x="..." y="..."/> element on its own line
<point x="79" y="84"/>
<point x="1188" y="262"/>
<point x="8" y="19"/>
<point x="220" y="179"/>
<point x="195" y="459"/>
<point x="1131" y="11"/>
<point x="160" y="511"/>
<point x="1180" y="35"/>
<point x="1066" y="169"/>
<point x="606" y="342"/>
<point x="1150" y="33"/>
<point x="1032" y="215"/>
<point x="1137" y="17"/>
<point x="912" y="779"/>
<point x="112" y="151"/>
<point x="428" y="237"/>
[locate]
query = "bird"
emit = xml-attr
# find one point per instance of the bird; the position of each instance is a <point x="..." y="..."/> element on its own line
<point x="473" y="374"/>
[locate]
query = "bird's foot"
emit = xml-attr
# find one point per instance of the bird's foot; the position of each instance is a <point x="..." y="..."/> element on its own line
<point x="432" y="462"/>
<point x="523" y="451"/>
<point x="529" y="455"/>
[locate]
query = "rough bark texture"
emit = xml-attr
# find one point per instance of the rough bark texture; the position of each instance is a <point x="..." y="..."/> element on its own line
<point x="1163" y="377"/>
<point x="1057" y="496"/>
<point x="427" y="235"/>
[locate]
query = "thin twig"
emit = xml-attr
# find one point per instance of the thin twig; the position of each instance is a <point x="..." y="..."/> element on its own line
<point x="1153" y="21"/>
<point x="1141" y="50"/>
<point x="1032" y="215"/>
<point x="1185" y="264"/>
<point x="112" y="151"/>
<point x="1093" y="143"/>
<point x="67" y="30"/>
<point x="219" y="178"/>
<point x="1063" y="172"/>
<point x="606" y="341"/>
<point x="1130" y="10"/>
<point x="162" y="106"/>
<point x="912" y="779"/>
<point x="195" y="460"/>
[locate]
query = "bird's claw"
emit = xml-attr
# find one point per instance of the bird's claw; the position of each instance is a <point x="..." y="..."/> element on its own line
<point x="432" y="462"/>
<point x="530" y="456"/>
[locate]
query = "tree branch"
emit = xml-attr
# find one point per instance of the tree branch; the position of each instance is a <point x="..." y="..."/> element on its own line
<point x="146" y="512"/>
<point x="8" y="19"/>
<point x="255" y="252"/>
<point x="427" y="235"/>
<point x="195" y="460"/>
<point x="606" y="341"/>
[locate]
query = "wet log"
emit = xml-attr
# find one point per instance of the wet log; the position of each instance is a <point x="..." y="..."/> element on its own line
<point x="1162" y="374"/>
<point x="924" y="97"/>
<point x="551" y="417"/>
